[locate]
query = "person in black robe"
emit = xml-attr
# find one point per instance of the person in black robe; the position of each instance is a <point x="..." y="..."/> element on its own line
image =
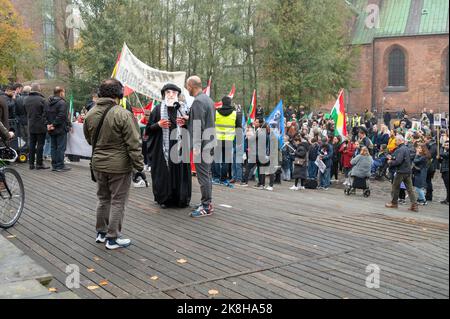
<point x="168" y="147"/>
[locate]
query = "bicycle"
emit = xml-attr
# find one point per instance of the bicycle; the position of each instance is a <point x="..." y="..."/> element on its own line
<point x="12" y="191"/>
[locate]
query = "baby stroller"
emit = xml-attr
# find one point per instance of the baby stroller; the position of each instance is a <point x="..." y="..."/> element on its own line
<point x="358" y="183"/>
<point x="380" y="169"/>
<point x="19" y="141"/>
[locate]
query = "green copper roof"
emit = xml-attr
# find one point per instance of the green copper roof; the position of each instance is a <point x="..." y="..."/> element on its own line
<point x="400" y="18"/>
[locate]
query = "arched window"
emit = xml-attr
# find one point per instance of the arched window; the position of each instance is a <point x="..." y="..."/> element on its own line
<point x="397" y="71"/>
<point x="446" y="66"/>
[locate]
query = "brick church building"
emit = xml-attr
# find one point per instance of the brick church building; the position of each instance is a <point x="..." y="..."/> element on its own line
<point x="403" y="61"/>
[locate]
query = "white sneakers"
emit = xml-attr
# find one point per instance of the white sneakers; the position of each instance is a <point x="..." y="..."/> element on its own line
<point x="269" y="188"/>
<point x="101" y="238"/>
<point x="147" y="168"/>
<point x="112" y="244"/>
<point x="139" y="184"/>
<point x="294" y="188"/>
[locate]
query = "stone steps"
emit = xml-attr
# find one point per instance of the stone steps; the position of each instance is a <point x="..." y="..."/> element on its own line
<point x="22" y="278"/>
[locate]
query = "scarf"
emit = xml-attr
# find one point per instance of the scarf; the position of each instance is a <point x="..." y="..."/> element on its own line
<point x="166" y="132"/>
<point x="183" y="110"/>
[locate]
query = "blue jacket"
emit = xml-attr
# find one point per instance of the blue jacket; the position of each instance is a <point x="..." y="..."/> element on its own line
<point x="328" y="158"/>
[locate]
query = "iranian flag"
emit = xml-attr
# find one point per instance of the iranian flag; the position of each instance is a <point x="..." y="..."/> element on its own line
<point x="207" y="90"/>
<point x="338" y="115"/>
<point x="252" y="113"/>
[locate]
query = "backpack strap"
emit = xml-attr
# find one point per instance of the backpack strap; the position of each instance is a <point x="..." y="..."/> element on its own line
<point x="95" y="138"/>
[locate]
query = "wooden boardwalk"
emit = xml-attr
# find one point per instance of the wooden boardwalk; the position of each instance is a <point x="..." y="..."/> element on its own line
<point x="259" y="244"/>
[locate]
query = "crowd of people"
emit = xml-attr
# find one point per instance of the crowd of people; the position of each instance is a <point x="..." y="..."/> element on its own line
<point x="177" y="143"/>
<point x="41" y="123"/>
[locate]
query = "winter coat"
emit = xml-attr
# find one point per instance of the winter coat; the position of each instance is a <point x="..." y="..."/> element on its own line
<point x="420" y="167"/>
<point x="4" y="112"/>
<point x="444" y="161"/>
<point x="35" y="106"/>
<point x="392" y="144"/>
<point x="432" y="147"/>
<point x="327" y="155"/>
<point x="362" y="166"/>
<point x="118" y="149"/>
<point x="313" y="152"/>
<point x="11" y="104"/>
<point x="347" y="151"/>
<point x="21" y="112"/>
<point x="57" y="115"/>
<point x="401" y="162"/>
<point x="301" y="171"/>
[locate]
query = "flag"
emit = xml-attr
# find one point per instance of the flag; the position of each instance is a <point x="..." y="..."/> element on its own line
<point x="252" y="112"/>
<point x="218" y="105"/>
<point x="276" y="122"/>
<point x="148" y="108"/>
<point x="207" y="90"/>
<point x="338" y="115"/>
<point x="127" y="91"/>
<point x="71" y="107"/>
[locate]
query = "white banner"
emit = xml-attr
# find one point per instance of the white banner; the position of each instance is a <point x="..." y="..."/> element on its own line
<point x="144" y="79"/>
<point x="76" y="142"/>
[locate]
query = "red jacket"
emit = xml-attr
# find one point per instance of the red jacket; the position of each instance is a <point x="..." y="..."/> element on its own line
<point x="347" y="154"/>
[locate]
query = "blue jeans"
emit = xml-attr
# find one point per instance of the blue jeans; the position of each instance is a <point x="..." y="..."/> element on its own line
<point x="312" y="170"/>
<point x="58" y="148"/>
<point x="421" y="194"/>
<point x="47" y="146"/>
<point x="325" y="178"/>
<point x="237" y="171"/>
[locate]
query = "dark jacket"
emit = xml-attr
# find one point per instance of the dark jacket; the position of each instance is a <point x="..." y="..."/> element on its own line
<point x="4" y="111"/>
<point x="420" y="166"/>
<point x="401" y="160"/>
<point x="21" y="112"/>
<point x="380" y="139"/>
<point x="301" y="171"/>
<point x="432" y="147"/>
<point x="313" y="152"/>
<point x="444" y="161"/>
<point x="35" y="105"/>
<point x="11" y="104"/>
<point x="328" y="157"/>
<point x="57" y="115"/>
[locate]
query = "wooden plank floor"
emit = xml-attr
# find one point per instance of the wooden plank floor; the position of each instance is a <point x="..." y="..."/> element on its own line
<point x="259" y="244"/>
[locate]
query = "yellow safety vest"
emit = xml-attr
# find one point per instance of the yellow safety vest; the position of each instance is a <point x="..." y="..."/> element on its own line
<point x="123" y="103"/>
<point x="226" y="126"/>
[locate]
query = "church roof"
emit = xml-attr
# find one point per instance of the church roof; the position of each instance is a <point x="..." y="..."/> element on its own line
<point x="400" y="18"/>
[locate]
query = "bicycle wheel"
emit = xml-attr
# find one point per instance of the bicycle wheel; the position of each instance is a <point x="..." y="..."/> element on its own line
<point x="11" y="205"/>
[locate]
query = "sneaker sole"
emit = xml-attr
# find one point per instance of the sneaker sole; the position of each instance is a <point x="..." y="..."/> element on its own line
<point x="117" y="247"/>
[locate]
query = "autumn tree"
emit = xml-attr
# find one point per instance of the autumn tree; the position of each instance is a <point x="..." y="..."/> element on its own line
<point x="17" y="55"/>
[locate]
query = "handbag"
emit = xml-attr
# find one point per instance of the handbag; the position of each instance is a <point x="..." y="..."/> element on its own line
<point x="94" y="141"/>
<point x="300" y="161"/>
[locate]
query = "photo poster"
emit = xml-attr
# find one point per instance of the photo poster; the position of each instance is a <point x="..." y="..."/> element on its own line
<point x="416" y="126"/>
<point x="437" y="120"/>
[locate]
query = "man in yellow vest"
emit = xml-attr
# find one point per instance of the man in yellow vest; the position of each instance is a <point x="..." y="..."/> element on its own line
<point x="227" y="120"/>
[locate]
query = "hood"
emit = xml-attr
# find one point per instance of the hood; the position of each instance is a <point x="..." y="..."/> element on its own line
<point x="52" y="100"/>
<point x="105" y="101"/>
<point x="226" y="110"/>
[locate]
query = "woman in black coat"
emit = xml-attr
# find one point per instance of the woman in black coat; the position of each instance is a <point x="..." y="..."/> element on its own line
<point x="420" y="167"/>
<point x="300" y="162"/>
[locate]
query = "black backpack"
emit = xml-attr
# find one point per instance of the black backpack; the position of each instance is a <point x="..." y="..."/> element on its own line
<point x="311" y="184"/>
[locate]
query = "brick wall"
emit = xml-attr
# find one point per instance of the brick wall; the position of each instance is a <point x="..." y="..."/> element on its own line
<point x="425" y="71"/>
<point x="31" y="15"/>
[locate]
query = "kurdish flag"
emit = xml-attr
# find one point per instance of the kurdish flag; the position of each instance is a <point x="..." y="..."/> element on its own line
<point x="338" y="115"/>
<point x="252" y="113"/>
